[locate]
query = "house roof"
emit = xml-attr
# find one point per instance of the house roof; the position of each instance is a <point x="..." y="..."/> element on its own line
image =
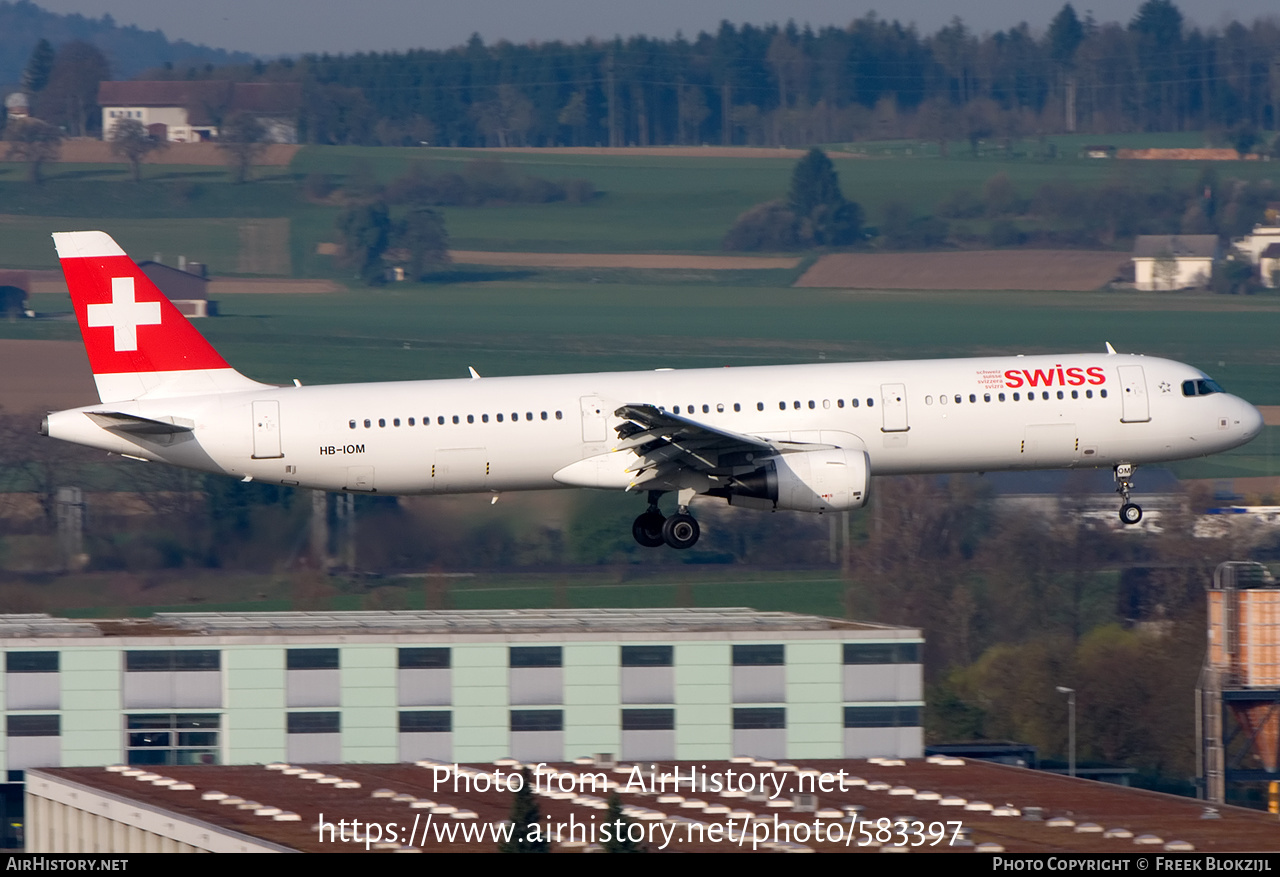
<point x="205" y="100"/>
<point x="1271" y="252"/>
<point x="1152" y="246"/>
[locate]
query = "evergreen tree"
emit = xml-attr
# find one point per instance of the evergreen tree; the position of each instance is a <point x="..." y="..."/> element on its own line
<point x="525" y="822"/>
<point x="36" y="75"/>
<point x="619" y="840"/>
<point x="827" y="218"/>
<point x="365" y="230"/>
<point x="422" y="235"/>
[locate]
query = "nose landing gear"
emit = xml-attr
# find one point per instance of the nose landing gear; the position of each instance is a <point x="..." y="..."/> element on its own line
<point x="1130" y="512"/>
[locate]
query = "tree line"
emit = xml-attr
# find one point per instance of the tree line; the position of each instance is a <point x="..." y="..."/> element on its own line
<point x="789" y="85"/>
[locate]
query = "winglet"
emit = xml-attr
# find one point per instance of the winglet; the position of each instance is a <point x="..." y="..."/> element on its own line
<point x="1111" y="351"/>
<point x="475" y="375"/>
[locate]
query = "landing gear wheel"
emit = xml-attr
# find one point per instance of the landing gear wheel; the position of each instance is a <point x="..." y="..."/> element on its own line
<point x="1130" y="513"/>
<point x="681" y="531"/>
<point x="647" y="529"/>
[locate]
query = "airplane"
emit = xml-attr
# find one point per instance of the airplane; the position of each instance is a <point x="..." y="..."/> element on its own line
<point x="798" y="437"/>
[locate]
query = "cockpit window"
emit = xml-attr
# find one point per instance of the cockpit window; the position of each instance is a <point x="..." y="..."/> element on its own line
<point x="1206" y="387"/>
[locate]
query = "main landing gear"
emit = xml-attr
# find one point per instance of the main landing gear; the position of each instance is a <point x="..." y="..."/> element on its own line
<point x="652" y="528"/>
<point x="1130" y="512"/>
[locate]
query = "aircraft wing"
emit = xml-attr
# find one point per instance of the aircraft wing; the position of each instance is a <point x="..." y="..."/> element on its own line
<point x="666" y="443"/>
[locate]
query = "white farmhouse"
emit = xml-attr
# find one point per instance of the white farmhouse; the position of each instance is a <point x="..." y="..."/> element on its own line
<point x="1173" y="261"/>
<point x="190" y="111"/>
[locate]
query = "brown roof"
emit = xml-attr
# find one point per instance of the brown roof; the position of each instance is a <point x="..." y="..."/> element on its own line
<point x="1166" y="816"/>
<point x="206" y="98"/>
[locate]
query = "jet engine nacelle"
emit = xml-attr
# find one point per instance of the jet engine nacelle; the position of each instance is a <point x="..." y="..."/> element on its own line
<point x="809" y="481"/>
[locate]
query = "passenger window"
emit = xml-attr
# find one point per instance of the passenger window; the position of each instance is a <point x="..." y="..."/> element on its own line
<point x="396" y="422"/>
<point x="440" y="420"/>
<point x="1060" y="394"/>
<point x="839" y="403"/>
<point x="484" y="418"/>
<point x="853" y="402"/>
<point x="1044" y="394"/>
<point x="411" y="421"/>
<point x="675" y="409"/>
<point x="871" y="403"/>
<point x="826" y="403"/>
<point x="1102" y="393"/>
<point x="544" y="415"/>
<point x="382" y="421"/>
<point x="1088" y="394"/>
<point x="559" y="415"/>
<point x="973" y="397"/>
<point x="455" y="418"/>
<point x="1075" y="394"/>
<point x="796" y="404"/>
<point x="499" y="418"/>
<point x="986" y="397"/>
<point x="759" y="406"/>
<point x="720" y="407"/>
<point x="959" y="398"/>
<point x="1017" y="398"/>
<point x="706" y="409"/>
<point x="942" y="400"/>
<point x="353" y="424"/>
<point x="1001" y="397"/>
<point x="928" y="400"/>
<point x="812" y="405"/>
<point x="471" y="418"/>
<point x="528" y="415"/>
<point x="782" y="406"/>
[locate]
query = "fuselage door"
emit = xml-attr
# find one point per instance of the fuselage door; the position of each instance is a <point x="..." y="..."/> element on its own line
<point x="893" y="399"/>
<point x="266" y="430"/>
<point x="594" y="416"/>
<point x="1133" y="386"/>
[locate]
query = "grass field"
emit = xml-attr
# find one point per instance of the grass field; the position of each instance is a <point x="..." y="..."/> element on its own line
<point x="645" y="204"/>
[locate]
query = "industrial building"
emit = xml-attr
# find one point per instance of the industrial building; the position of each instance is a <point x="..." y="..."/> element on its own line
<point x="383" y="687"/>
<point x="804" y="805"/>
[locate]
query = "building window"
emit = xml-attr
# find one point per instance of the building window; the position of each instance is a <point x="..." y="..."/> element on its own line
<point x="311" y="659"/>
<point x="314" y="723"/>
<point x="537" y="720"/>
<point x="424" y="659"/>
<point x="188" y="660"/>
<point x="173" y="738"/>
<point x="648" y="720"/>
<point x="31" y="662"/>
<point x="881" y="717"/>
<point x="647" y="656"/>
<point x="426" y="722"/>
<point x="536" y="656"/>
<point x="759" y="718"/>
<point x="756" y="656"/>
<point x="32" y="726"/>
<point x="882" y="653"/>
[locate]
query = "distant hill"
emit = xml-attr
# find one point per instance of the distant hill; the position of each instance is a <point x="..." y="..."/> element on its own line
<point x="129" y="49"/>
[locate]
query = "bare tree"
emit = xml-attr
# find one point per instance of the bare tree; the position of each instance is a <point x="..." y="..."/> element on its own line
<point x="34" y="142"/>
<point x="244" y="139"/>
<point x="130" y="141"/>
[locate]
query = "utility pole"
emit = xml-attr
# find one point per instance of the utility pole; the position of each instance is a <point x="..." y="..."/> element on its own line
<point x="1071" y="727"/>
<point x="726" y="107"/>
<point x="613" y="102"/>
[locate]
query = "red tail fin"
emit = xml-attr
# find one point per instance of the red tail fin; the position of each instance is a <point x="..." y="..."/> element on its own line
<point x="138" y="342"/>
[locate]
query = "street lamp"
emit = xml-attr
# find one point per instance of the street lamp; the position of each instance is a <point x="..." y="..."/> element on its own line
<point x="1071" y="726"/>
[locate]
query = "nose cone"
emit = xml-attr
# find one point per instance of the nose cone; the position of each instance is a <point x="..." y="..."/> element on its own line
<point x="1250" y="420"/>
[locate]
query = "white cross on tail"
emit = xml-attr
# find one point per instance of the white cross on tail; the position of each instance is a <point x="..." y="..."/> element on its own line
<point x="124" y="314"/>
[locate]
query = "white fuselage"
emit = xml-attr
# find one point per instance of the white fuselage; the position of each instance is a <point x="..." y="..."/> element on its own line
<point x="503" y="434"/>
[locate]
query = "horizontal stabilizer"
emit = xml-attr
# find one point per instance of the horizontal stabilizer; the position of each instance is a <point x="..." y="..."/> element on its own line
<point x="135" y="425"/>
